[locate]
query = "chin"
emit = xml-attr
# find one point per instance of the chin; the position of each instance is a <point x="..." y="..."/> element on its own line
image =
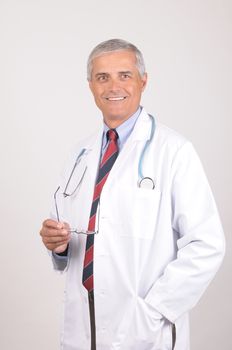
<point x="116" y="116"/>
<point x="116" y="113"/>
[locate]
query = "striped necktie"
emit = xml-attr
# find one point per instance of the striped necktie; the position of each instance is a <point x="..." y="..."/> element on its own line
<point x="107" y="162"/>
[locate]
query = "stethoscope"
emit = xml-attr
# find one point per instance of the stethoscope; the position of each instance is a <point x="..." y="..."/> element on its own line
<point x="145" y="182"/>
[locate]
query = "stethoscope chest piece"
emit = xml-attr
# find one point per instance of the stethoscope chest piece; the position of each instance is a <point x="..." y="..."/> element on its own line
<point x="147" y="183"/>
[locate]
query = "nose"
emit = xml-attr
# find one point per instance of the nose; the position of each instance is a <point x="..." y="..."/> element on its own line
<point x="114" y="85"/>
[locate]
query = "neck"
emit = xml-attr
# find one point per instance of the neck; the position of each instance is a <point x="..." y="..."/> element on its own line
<point x="114" y="122"/>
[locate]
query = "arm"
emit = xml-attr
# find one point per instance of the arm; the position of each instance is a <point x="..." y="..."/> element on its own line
<point x="55" y="236"/>
<point x="200" y="247"/>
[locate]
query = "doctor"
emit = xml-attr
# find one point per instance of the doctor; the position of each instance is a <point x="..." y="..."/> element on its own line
<point x="134" y="223"/>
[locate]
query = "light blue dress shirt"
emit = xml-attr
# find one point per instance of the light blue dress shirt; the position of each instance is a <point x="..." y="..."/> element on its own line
<point x="124" y="130"/>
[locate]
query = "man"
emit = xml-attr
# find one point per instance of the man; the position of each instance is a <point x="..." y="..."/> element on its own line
<point x="141" y="187"/>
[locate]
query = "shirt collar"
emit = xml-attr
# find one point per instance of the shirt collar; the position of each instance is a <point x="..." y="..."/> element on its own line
<point x="124" y="130"/>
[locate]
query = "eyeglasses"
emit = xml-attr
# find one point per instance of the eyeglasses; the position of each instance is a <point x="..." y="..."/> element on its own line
<point x="69" y="190"/>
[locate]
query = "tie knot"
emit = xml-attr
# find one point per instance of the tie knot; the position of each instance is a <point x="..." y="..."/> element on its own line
<point x="112" y="135"/>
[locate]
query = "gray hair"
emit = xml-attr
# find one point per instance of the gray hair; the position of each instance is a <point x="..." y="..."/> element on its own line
<point x="115" y="45"/>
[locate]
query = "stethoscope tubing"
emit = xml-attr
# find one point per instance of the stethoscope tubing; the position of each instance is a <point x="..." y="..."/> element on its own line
<point x="141" y="159"/>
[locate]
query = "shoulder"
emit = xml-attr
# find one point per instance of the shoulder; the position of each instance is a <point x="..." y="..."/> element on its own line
<point x="178" y="150"/>
<point x="88" y="141"/>
<point x="169" y="137"/>
<point x="175" y="145"/>
<point x="80" y="149"/>
<point x="163" y="135"/>
<point x="171" y="147"/>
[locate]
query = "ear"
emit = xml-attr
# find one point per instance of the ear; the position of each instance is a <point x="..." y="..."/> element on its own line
<point x="144" y="81"/>
<point x="91" y="85"/>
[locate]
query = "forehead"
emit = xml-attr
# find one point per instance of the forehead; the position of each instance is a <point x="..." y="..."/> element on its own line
<point x="114" y="62"/>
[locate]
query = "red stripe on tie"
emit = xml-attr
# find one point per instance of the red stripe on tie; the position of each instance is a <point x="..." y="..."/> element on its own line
<point x="99" y="186"/>
<point x="88" y="256"/>
<point x="88" y="283"/>
<point x="109" y="152"/>
<point x="92" y="220"/>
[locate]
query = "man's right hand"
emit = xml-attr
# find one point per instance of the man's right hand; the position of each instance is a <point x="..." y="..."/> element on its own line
<point x="55" y="235"/>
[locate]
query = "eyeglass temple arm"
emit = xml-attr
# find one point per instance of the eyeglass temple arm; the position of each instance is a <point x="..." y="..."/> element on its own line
<point x="57" y="213"/>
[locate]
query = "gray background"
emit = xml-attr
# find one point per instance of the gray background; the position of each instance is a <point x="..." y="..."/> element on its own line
<point x="46" y="106"/>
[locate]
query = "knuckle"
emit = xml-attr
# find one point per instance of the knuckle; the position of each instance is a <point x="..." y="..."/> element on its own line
<point x="45" y="222"/>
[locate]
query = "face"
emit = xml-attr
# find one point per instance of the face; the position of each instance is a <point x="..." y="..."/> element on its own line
<point x="117" y="86"/>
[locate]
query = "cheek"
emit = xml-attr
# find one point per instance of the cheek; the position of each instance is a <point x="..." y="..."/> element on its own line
<point x="96" y="95"/>
<point x="95" y="89"/>
<point x="136" y="93"/>
<point x="135" y="89"/>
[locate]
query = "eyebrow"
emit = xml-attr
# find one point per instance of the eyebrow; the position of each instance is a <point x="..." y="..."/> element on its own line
<point x="101" y="73"/>
<point x="126" y="72"/>
<point x="120" y="72"/>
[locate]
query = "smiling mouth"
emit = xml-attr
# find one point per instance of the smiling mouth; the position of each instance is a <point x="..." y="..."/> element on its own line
<point x="119" y="98"/>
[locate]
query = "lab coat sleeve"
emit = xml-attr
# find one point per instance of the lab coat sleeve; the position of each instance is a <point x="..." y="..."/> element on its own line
<point x="60" y="263"/>
<point x="200" y="244"/>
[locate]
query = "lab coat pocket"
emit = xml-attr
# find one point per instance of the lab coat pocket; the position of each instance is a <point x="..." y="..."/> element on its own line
<point x="160" y="328"/>
<point x="139" y="212"/>
<point x="148" y="330"/>
<point x="167" y="337"/>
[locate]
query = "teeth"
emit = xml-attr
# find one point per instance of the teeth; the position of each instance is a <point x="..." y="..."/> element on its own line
<point x="115" y="98"/>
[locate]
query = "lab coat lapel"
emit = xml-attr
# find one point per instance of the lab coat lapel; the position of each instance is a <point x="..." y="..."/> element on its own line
<point x="140" y="134"/>
<point x="94" y="150"/>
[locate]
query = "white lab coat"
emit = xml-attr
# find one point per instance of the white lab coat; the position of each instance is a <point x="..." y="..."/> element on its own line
<point x="156" y="251"/>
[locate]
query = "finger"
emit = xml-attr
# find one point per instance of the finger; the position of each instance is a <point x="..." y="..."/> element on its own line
<point x="52" y="246"/>
<point x="60" y="248"/>
<point x="49" y="223"/>
<point x="66" y="226"/>
<point x="57" y="247"/>
<point x="52" y="232"/>
<point x="56" y="239"/>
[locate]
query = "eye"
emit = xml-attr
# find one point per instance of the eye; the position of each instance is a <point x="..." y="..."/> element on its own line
<point x="125" y="76"/>
<point x="102" y="78"/>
